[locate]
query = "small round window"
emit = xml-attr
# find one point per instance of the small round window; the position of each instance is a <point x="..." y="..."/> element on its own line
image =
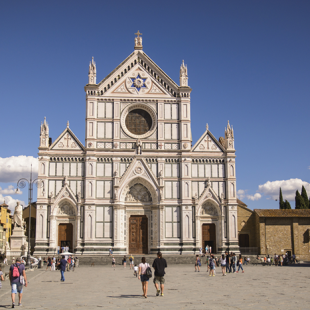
<point x="138" y="121"/>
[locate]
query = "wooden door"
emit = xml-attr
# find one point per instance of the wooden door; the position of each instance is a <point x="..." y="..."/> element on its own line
<point x="244" y="240"/>
<point x="138" y="234"/>
<point x="208" y="236"/>
<point x="65" y="236"/>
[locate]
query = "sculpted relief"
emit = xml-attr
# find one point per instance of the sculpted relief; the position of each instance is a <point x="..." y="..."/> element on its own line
<point x="65" y="210"/>
<point x="209" y="209"/>
<point x="138" y="193"/>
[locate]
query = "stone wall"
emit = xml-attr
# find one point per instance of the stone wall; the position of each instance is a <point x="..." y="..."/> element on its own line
<point x="246" y="224"/>
<point x="281" y="234"/>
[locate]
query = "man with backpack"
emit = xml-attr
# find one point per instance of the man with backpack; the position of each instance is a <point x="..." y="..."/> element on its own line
<point x="18" y="278"/>
<point x="232" y="262"/>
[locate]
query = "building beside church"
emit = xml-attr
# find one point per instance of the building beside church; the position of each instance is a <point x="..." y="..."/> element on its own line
<point x="137" y="184"/>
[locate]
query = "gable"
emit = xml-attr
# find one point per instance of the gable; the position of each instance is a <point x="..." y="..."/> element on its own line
<point x="67" y="141"/>
<point x="138" y="75"/>
<point x="207" y="143"/>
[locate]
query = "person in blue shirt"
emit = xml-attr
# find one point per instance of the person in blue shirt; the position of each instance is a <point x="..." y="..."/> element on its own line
<point x="62" y="264"/>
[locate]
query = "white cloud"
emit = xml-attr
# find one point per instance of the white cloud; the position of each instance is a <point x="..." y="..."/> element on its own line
<point x="16" y="167"/>
<point x="10" y="190"/>
<point x="11" y="202"/>
<point x="241" y="193"/>
<point x="289" y="187"/>
<point x="256" y="196"/>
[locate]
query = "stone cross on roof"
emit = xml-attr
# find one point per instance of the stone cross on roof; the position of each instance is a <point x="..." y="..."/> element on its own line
<point x="138" y="41"/>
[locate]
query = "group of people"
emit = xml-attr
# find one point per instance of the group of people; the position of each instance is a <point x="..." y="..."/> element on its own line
<point x="278" y="260"/>
<point x="53" y="262"/>
<point x="228" y="263"/>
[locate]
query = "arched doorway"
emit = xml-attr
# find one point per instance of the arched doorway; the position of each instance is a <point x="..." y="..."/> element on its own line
<point x="209" y="236"/>
<point x="138" y="197"/>
<point x="244" y="241"/>
<point x="65" y="236"/>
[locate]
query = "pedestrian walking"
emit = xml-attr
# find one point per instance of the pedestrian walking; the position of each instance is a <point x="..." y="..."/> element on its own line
<point x="227" y="262"/>
<point x="212" y="266"/>
<point x="200" y="251"/>
<point x="124" y="261"/>
<point x="110" y="252"/>
<point x="62" y="264"/>
<point x="207" y="249"/>
<point x="17" y="277"/>
<point x="143" y="277"/>
<point x="113" y="262"/>
<point x="223" y="264"/>
<point x="232" y="263"/>
<point x="197" y="263"/>
<point x="240" y="264"/>
<point x="1" y="277"/>
<point x="131" y="261"/>
<point x="5" y="261"/>
<point x="159" y="266"/>
<point x="135" y="270"/>
<point x="53" y="263"/>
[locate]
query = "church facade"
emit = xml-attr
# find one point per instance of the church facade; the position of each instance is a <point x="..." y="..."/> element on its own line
<point x="137" y="185"/>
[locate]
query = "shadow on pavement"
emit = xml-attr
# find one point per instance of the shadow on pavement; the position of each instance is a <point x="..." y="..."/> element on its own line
<point x="126" y="296"/>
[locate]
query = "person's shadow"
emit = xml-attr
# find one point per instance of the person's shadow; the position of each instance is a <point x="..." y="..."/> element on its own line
<point x="126" y="296"/>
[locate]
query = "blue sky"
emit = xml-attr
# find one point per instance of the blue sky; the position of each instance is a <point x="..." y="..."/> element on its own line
<point x="248" y="62"/>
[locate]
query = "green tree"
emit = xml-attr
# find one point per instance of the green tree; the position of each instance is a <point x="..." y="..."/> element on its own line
<point x="287" y="205"/>
<point x="305" y="197"/>
<point x="299" y="201"/>
<point x="281" y="202"/>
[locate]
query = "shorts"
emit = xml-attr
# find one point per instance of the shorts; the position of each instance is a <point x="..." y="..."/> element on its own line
<point x="144" y="278"/>
<point x="160" y="280"/>
<point x="17" y="288"/>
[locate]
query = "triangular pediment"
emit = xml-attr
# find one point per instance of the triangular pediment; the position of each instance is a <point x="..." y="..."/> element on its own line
<point x="67" y="141"/>
<point x="138" y="168"/>
<point x="138" y="75"/>
<point x="208" y="193"/>
<point x="208" y="143"/>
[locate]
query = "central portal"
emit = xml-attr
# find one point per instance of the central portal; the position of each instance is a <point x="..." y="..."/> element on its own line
<point x="65" y="236"/>
<point x="208" y="236"/>
<point x="138" y="234"/>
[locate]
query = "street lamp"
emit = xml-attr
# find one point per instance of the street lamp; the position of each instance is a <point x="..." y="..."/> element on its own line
<point x="22" y="184"/>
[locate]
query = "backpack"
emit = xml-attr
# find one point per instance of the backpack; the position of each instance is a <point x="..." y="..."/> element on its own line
<point x="15" y="273"/>
<point x="149" y="272"/>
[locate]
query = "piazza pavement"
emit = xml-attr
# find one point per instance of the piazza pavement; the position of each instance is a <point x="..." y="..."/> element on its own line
<point x="102" y="287"/>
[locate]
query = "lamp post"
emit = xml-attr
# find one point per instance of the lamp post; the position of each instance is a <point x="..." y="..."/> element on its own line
<point x="21" y="183"/>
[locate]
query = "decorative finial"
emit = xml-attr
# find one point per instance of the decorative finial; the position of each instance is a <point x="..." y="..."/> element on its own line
<point x="138" y="41"/>
<point x="207" y="126"/>
<point x="92" y="72"/>
<point x="183" y="75"/>
<point x="67" y="124"/>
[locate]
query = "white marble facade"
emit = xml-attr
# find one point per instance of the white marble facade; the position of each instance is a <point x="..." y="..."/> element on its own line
<point x="138" y="159"/>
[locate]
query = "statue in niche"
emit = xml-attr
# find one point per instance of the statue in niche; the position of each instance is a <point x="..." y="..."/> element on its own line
<point x="209" y="209"/>
<point x="65" y="210"/>
<point x="138" y="193"/>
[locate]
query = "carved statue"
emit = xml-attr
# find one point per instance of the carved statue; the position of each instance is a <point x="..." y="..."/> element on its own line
<point x="18" y="216"/>
<point x="138" y="145"/>
<point x="208" y="209"/>
<point x="65" y="210"/>
<point x="138" y="193"/>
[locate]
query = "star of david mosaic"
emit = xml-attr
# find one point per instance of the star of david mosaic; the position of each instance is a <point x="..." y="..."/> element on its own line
<point x="138" y="82"/>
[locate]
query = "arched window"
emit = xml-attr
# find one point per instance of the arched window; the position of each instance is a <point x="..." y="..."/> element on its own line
<point x="90" y="189"/>
<point x="90" y="226"/>
<point x="232" y="189"/>
<point x="43" y="168"/>
<point x="234" y="226"/>
<point x="42" y="225"/>
<point x="232" y="171"/>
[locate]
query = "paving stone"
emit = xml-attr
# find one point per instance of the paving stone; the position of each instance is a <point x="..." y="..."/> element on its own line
<point x="102" y="287"/>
